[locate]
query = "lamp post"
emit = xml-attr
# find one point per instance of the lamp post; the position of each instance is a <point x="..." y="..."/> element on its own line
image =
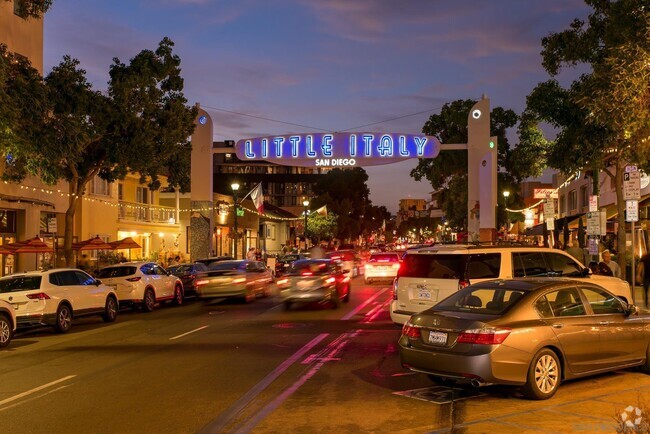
<point x="305" y="203"/>
<point x="506" y="194"/>
<point x="235" y="187"/>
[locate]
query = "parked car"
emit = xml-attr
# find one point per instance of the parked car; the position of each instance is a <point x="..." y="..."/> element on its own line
<point x="7" y="323"/>
<point x="350" y="260"/>
<point x="381" y="266"/>
<point x="55" y="297"/>
<point x="243" y="279"/>
<point x="532" y="332"/>
<point x="315" y="280"/>
<point x="283" y="263"/>
<point x="142" y="284"/>
<point x="208" y="261"/>
<point x="427" y="275"/>
<point x="189" y="274"/>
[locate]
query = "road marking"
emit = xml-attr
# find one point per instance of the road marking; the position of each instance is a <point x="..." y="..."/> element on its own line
<point x="334" y="349"/>
<point x="188" y="333"/>
<point x="218" y="424"/>
<point x="375" y="312"/>
<point x="362" y="305"/>
<point x="49" y="392"/>
<point x="36" y="389"/>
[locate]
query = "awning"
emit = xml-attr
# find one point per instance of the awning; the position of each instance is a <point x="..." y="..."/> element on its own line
<point x="18" y="199"/>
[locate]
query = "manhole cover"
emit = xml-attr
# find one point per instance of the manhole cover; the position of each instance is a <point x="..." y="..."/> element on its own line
<point x="440" y="394"/>
<point x="290" y="325"/>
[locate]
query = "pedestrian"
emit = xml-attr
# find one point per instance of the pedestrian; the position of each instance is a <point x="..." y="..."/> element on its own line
<point x="643" y="277"/>
<point x="250" y="255"/>
<point x="607" y="259"/>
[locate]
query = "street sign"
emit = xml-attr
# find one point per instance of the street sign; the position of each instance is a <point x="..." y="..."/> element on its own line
<point x="593" y="246"/>
<point x="549" y="209"/>
<point x="51" y="225"/>
<point x="593" y="203"/>
<point x="631" y="210"/>
<point x="593" y="223"/>
<point x="550" y="224"/>
<point x="632" y="185"/>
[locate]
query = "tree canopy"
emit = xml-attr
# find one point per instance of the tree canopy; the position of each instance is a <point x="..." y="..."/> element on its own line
<point x="32" y="8"/>
<point x="76" y="133"/>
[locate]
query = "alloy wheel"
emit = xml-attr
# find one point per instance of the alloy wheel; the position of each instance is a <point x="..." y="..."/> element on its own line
<point x="5" y="332"/>
<point x="546" y="373"/>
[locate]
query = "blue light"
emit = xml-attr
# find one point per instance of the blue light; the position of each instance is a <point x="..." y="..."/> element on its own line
<point x="203" y="120"/>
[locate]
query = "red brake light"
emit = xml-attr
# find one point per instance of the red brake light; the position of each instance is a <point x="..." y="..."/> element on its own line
<point x="306" y="273"/>
<point x="134" y="279"/>
<point x="484" y="336"/>
<point x="463" y="283"/>
<point x="410" y="331"/>
<point x="192" y="276"/>
<point x="38" y="296"/>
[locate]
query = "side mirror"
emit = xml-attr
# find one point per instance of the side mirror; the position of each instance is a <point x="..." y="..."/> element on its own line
<point x="98" y="282"/>
<point x="631" y="310"/>
<point x="586" y="272"/>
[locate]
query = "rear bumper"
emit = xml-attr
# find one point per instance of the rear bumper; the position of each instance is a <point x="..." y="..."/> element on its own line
<point x="36" y="319"/>
<point x="380" y="274"/>
<point x="399" y="316"/>
<point x="221" y="291"/>
<point x="493" y="368"/>
<point x="321" y="294"/>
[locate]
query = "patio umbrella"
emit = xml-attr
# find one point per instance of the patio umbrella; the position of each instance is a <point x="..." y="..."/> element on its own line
<point x="126" y="243"/>
<point x="95" y="243"/>
<point x="32" y="245"/>
<point x="581" y="234"/>
<point x="5" y="251"/>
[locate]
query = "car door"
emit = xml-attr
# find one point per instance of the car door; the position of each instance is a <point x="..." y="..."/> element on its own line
<point x="622" y="337"/>
<point x="69" y="289"/>
<point x="164" y="282"/>
<point x="92" y="296"/>
<point x="564" y="311"/>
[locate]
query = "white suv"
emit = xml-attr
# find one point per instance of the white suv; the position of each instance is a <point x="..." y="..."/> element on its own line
<point x="7" y="323"/>
<point x="54" y="297"/>
<point x="142" y="284"/>
<point x="428" y="275"/>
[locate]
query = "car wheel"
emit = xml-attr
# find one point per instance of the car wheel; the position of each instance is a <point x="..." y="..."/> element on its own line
<point x="250" y="296"/>
<point x="63" y="319"/>
<point x="544" y="375"/>
<point x="646" y="366"/>
<point x="148" y="301"/>
<point x="110" y="310"/>
<point x="346" y="298"/>
<point x="178" y="296"/>
<point x="6" y="331"/>
<point x="334" y="299"/>
<point x="442" y="381"/>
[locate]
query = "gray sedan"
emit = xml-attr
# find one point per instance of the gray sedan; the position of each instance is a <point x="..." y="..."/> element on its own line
<point x="235" y="279"/>
<point x="533" y="333"/>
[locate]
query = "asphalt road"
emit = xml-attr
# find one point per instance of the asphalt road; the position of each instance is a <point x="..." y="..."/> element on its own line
<point x="231" y="367"/>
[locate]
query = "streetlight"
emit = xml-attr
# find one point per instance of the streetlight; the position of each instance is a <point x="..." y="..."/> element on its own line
<point x="235" y="187"/>
<point x="305" y="203"/>
<point x="506" y="194"/>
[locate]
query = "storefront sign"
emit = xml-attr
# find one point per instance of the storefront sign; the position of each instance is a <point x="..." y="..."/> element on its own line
<point x="337" y="149"/>
<point x="543" y="193"/>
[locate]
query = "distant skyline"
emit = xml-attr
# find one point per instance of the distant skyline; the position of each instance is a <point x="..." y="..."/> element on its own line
<point x="287" y="66"/>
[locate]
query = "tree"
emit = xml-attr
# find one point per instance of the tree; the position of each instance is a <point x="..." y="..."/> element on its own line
<point x="321" y="226"/>
<point x="141" y="125"/>
<point x="448" y="172"/>
<point x="604" y="116"/>
<point x="346" y="194"/>
<point x="32" y="8"/>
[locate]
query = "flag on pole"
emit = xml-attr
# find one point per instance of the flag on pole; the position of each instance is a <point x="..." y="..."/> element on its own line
<point x="258" y="198"/>
<point x="322" y="210"/>
<point x="383" y="225"/>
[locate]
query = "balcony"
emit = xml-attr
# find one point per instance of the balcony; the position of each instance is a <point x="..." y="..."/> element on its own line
<point x="142" y="212"/>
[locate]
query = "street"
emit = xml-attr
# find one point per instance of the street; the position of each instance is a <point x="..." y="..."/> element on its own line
<point x="235" y="367"/>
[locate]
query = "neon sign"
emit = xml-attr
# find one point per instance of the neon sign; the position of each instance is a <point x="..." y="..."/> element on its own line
<point x="337" y="149"/>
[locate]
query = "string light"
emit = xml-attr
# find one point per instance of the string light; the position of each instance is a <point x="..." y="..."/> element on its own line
<point x="535" y="205"/>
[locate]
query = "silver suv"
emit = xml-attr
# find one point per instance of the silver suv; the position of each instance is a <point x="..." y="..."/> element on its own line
<point x="431" y="274"/>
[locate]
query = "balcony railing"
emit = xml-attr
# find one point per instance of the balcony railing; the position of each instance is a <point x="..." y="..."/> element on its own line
<point x="142" y="212"/>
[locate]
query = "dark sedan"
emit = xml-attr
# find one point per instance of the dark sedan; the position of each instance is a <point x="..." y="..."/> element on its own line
<point x="283" y="263"/>
<point x="189" y="273"/>
<point x="533" y="333"/>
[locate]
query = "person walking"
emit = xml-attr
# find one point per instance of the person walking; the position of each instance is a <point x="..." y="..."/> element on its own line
<point x="250" y="255"/>
<point x="607" y="259"/>
<point x="642" y="276"/>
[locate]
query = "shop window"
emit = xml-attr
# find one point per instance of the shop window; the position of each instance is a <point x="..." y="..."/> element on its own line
<point x="7" y="221"/>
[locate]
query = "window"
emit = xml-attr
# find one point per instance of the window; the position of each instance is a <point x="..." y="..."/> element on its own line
<point x="584" y="198"/>
<point x="84" y="279"/>
<point x="562" y="204"/>
<point x="142" y="195"/>
<point x="484" y="266"/>
<point x="573" y="201"/>
<point x="602" y="302"/>
<point x="563" y="265"/>
<point x="64" y="278"/>
<point x="565" y="302"/>
<point x="147" y="270"/>
<point x="100" y="187"/>
<point x="120" y="191"/>
<point x="528" y="264"/>
<point x="7" y="221"/>
<point x="543" y="307"/>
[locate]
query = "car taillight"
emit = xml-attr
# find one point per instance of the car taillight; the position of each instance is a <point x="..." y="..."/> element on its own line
<point x="282" y="281"/>
<point x="134" y="279"/>
<point x="192" y="276"/>
<point x="239" y="280"/>
<point x="410" y="331"/>
<point x="396" y="266"/>
<point x="484" y="336"/>
<point x="395" y="289"/>
<point x="201" y="282"/>
<point x="462" y="283"/>
<point x="38" y="296"/>
<point x="306" y="273"/>
<point x="330" y="280"/>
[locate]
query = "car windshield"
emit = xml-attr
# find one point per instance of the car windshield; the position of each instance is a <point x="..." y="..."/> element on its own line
<point x="477" y="299"/>
<point x="20" y="283"/>
<point x="110" y="272"/>
<point x="385" y="257"/>
<point x="227" y="265"/>
<point x="289" y="258"/>
<point x="180" y="269"/>
<point x="309" y="268"/>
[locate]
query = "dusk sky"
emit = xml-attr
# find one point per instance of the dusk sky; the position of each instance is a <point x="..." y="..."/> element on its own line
<point x="285" y="66"/>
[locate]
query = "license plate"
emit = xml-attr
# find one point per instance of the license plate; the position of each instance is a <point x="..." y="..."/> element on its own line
<point x="438" y="338"/>
<point x="424" y="294"/>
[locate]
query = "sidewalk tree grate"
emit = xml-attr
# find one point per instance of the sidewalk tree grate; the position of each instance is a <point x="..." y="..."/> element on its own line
<point x="440" y="394"/>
